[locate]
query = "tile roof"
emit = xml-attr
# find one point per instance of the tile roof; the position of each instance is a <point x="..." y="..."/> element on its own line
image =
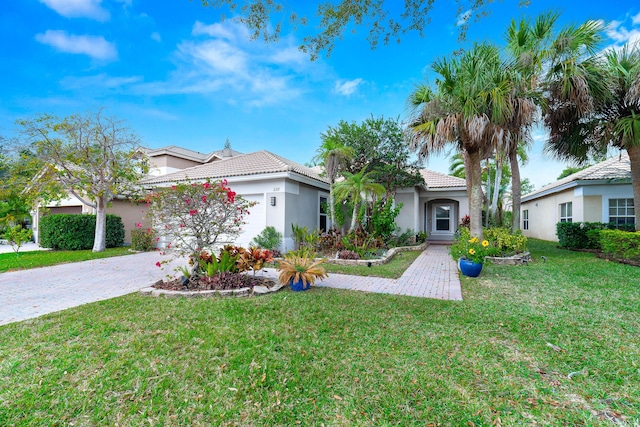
<point x="440" y="180"/>
<point x="615" y="168"/>
<point x="257" y="163"/>
<point x="176" y="151"/>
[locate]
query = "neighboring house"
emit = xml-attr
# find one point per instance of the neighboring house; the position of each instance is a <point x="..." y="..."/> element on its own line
<point x="600" y="193"/>
<point x="435" y="207"/>
<point x="286" y="193"/>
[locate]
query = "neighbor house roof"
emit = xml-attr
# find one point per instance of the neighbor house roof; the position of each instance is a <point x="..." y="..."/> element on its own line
<point x="257" y="163"/>
<point x="185" y="153"/>
<point x="435" y="180"/>
<point x="615" y="169"/>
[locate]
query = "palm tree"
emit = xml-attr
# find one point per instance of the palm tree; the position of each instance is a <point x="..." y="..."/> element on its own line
<point x="527" y="45"/>
<point x="333" y="155"/>
<point x="469" y="110"/>
<point x="357" y="187"/>
<point x="595" y="101"/>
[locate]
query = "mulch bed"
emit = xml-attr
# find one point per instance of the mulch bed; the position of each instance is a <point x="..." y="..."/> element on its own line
<point x="635" y="263"/>
<point x="220" y="282"/>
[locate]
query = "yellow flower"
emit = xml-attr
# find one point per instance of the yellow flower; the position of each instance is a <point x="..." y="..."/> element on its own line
<point x="474" y="240"/>
<point x="472" y="251"/>
<point x="485" y="243"/>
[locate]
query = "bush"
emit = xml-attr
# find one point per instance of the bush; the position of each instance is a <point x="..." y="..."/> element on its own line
<point x="505" y="241"/>
<point x="621" y="244"/>
<point x="74" y="232"/>
<point x="346" y="254"/>
<point x="584" y="235"/>
<point x="142" y="240"/>
<point x="269" y="238"/>
<point x="382" y="222"/>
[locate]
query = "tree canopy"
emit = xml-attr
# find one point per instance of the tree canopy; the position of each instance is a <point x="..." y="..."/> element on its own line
<point x="91" y="157"/>
<point x="386" y="21"/>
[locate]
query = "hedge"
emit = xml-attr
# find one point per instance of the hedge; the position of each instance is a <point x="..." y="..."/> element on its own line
<point x="621" y="244"/>
<point x="74" y="232"/>
<point x="584" y="235"/>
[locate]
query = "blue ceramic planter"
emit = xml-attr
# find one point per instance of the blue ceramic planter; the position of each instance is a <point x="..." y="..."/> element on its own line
<point x="469" y="268"/>
<point x="299" y="286"/>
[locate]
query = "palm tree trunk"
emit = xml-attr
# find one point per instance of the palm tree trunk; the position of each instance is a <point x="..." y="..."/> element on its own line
<point x="332" y="208"/>
<point x="474" y="186"/>
<point x="354" y="217"/>
<point x="488" y="195"/>
<point x="496" y="188"/>
<point x="516" y="190"/>
<point x="634" y="159"/>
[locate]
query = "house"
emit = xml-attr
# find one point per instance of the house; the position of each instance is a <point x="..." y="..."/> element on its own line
<point x="600" y="193"/>
<point x="435" y="207"/>
<point x="286" y="193"/>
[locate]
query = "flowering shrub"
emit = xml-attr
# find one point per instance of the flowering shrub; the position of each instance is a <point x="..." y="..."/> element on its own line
<point x="471" y="248"/>
<point x="190" y="217"/>
<point x="142" y="239"/>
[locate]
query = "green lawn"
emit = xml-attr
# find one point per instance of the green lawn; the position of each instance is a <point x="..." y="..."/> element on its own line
<point x="339" y="358"/>
<point x="392" y="270"/>
<point x="33" y="259"/>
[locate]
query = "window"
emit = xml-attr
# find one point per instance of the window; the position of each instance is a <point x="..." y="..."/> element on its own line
<point x="622" y="212"/>
<point x="323" y="214"/>
<point x="525" y="219"/>
<point x="566" y="212"/>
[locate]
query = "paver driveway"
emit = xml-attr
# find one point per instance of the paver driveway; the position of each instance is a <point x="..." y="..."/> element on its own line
<point x="31" y="293"/>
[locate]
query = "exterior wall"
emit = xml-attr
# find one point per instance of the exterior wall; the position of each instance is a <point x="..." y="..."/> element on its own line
<point x="457" y="198"/>
<point x="544" y="214"/>
<point x="409" y="216"/>
<point x="162" y="165"/>
<point x="302" y="209"/>
<point x="131" y="213"/>
<point x="590" y="204"/>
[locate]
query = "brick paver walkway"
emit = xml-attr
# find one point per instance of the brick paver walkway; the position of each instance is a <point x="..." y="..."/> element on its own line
<point x="32" y="293"/>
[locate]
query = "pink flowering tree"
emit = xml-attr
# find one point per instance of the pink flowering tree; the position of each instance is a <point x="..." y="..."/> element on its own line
<point x="191" y="217"/>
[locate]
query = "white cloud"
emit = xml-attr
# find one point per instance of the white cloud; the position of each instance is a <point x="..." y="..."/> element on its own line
<point x="78" y="8"/>
<point x="620" y="34"/>
<point x="347" y="87"/>
<point x="94" y="46"/>
<point x="156" y="36"/>
<point x="222" y="59"/>
<point x="100" y="81"/>
<point x="464" y="17"/>
<point x="635" y="20"/>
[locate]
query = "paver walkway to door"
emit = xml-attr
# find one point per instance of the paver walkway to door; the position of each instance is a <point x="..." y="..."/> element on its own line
<point x="31" y="293"/>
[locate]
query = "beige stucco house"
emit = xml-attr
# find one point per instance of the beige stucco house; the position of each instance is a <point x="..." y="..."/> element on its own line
<point x="286" y="193"/>
<point x="600" y="193"/>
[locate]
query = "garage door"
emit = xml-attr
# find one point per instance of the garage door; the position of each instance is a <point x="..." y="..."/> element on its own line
<point x="256" y="220"/>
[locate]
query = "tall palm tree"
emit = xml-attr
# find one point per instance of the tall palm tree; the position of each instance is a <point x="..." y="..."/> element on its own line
<point x="357" y="187"/>
<point x="469" y="110"/>
<point x="333" y="155"/>
<point x="527" y="44"/>
<point x="595" y="102"/>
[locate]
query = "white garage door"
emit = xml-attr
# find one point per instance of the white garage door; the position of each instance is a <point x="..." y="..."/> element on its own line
<point x="256" y="220"/>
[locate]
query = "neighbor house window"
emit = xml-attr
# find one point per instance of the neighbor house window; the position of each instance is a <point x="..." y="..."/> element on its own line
<point x="323" y="214"/>
<point x="525" y="219"/>
<point x="622" y="212"/>
<point x="566" y="212"/>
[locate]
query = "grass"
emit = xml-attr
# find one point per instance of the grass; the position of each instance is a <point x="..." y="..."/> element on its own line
<point x="33" y="259"/>
<point x="392" y="270"/>
<point x="339" y="358"/>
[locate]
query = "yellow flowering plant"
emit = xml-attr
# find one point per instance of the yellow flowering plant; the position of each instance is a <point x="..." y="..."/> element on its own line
<point x="471" y="248"/>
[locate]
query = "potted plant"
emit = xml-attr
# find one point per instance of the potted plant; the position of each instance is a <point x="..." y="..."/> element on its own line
<point x="471" y="253"/>
<point x="300" y="270"/>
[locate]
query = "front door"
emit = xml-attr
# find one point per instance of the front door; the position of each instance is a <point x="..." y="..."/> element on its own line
<point x="442" y="219"/>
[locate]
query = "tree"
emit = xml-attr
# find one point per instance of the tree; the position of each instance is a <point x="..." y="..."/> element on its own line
<point x="469" y="110"/>
<point x="357" y="187"/>
<point x="570" y="170"/>
<point x="594" y="98"/>
<point x="91" y="157"/>
<point x="333" y="155"/>
<point x="380" y="146"/>
<point x="192" y="217"/>
<point x="266" y="18"/>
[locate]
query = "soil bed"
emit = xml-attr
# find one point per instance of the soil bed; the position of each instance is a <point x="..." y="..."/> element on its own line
<point x="220" y="282"/>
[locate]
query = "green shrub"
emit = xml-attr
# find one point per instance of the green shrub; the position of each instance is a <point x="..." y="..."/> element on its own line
<point x="584" y="235"/>
<point x="142" y="240"/>
<point x="621" y="244"/>
<point x="506" y="242"/>
<point x="269" y="238"/>
<point x="76" y="232"/>
<point x="382" y="222"/>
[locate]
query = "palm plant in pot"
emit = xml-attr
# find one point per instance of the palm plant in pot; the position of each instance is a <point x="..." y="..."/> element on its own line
<point x="300" y="270"/>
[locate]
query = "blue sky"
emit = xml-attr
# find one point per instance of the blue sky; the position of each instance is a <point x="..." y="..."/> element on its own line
<point x="179" y="76"/>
